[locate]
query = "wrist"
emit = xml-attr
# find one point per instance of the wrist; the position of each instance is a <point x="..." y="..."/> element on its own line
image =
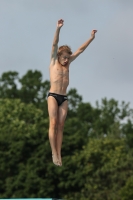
<point x="58" y="28"/>
<point x="92" y="37"/>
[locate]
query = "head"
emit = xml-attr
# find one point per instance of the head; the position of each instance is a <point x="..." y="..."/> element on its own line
<point x="64" y="53"/>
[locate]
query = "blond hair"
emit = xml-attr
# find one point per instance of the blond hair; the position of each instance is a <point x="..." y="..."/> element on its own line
<point x="64" y="48"/>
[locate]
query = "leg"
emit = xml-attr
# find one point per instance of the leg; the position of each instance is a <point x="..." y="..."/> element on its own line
<point x="62" y="113"/>
<point x="53" y="117"/>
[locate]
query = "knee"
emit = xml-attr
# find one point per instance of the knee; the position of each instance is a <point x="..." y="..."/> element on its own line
<point x="53" y="124"/>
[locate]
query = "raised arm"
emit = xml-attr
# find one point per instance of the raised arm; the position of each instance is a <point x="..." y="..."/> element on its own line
<point x="83" y="47"/>
<point x="56" y="40"/>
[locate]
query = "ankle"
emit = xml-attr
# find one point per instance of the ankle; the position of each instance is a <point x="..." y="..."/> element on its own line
<point x="54" y="153"/>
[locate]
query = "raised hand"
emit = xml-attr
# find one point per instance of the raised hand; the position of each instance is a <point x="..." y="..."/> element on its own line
<point x="60" y="23"/>
<point x="93" y="33"/>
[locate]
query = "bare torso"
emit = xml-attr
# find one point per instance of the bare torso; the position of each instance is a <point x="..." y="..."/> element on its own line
<point x="59" y="78"/>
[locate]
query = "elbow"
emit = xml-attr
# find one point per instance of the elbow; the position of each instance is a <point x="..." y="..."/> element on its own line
<point x="81" y="51"/>
<point x="55" y="44"/>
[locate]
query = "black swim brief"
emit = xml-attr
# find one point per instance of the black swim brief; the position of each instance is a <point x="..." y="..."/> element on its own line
<point x="59" y="98"/>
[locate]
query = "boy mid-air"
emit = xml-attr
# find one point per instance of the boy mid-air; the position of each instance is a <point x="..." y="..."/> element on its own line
<point x="57" y="99"/>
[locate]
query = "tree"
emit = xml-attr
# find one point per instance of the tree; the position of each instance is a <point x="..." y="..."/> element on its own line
<point x="100" y="171"/>
<point x="26" y="168"/>
<point x="25" y="155"/>
<point x="127" y="130"/>
<point x="97" y="146"/>
<point x="74" y="99"/>
<point x="32" y="89"/>
<point x="8" y="85"/>
<point x="126" y="192"/>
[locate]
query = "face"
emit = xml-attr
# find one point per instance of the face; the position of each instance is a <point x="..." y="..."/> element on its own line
<point x="64" y="58"/>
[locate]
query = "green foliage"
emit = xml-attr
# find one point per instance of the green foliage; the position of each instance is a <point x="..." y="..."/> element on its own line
<point x="23" y="129"/>
<point x="127" y="130"/>
<point x="126" y="192"/>
<point x="74" y="99"/>
<point x="31" y="88"/>
<point x="97" y="147"/>
<point x="8" y="86"/>
<point x="102" y="168"/>
<point x="26" y="169"/>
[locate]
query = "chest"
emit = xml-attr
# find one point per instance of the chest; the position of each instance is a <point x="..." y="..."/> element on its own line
<point x="61" y="70"/>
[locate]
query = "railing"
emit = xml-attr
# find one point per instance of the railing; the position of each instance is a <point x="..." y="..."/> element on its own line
<point x="31" y="199"/>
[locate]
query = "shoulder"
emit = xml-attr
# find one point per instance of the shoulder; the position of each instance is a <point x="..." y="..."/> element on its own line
<point x="72" y="58"/>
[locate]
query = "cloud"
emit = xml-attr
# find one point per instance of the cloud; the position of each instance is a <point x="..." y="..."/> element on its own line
<point x="114" y="47"/>
<point x="104" y="69"/>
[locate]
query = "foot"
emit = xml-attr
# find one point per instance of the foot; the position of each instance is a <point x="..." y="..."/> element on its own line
<point x="60" y="160"/>
<point x="55" y="159"/>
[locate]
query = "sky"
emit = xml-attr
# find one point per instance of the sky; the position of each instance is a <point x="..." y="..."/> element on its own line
<point x="104" y="69"/>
